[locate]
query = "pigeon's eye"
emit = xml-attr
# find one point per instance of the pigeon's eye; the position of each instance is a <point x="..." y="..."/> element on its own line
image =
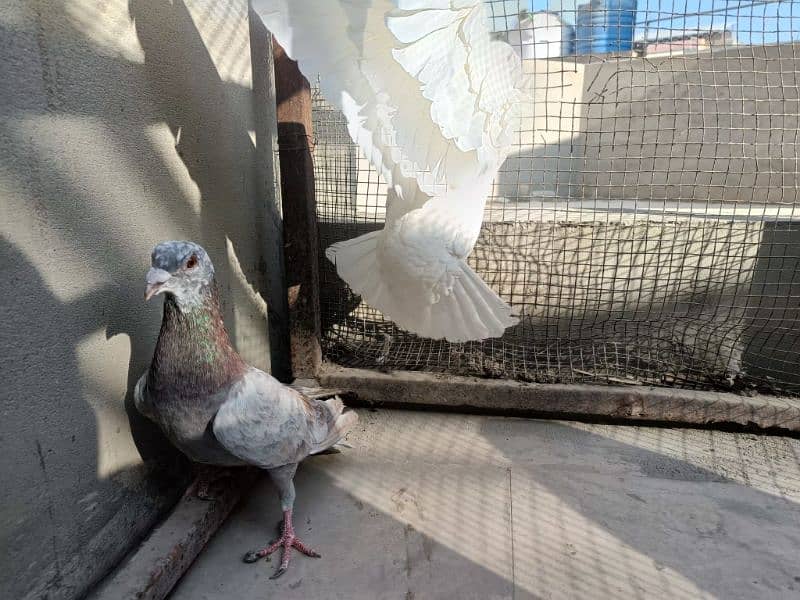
<point x="192" y="262"/>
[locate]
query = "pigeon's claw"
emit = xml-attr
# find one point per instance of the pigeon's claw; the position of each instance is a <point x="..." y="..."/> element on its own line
<point x="278" y="573"/>
<point x="288" y="541"/>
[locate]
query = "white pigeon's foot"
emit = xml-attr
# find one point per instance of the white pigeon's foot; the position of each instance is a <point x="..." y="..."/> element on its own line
<point x="287" y="540"/>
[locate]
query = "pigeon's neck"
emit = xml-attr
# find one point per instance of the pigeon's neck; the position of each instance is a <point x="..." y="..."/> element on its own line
<point x="194" y="355"/>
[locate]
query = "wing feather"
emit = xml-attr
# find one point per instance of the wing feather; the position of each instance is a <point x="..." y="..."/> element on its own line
<point x="268" y="424"/>
<point x="430" y="100"/>
<point x="425" y="91"/>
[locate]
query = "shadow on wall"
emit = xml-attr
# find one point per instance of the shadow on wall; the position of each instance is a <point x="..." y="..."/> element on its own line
<point x="204" y="114"/>
<point x="772" y="334"/>
<point x="62" y="521"/>
<point x="718" y="126"/>
<point x="90" y="179"/>
<point x="544" y="172"/>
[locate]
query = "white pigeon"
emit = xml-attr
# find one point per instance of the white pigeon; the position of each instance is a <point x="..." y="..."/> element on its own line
<point x="432" y="102"/>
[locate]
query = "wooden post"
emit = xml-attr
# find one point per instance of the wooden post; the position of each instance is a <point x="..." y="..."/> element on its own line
<point x="300" y="231"/>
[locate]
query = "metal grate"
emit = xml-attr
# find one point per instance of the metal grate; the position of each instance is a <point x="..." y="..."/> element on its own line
<point x="646" y="226"/>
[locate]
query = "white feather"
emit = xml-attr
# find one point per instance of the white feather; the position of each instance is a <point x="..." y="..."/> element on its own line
<point x="430" y="99"/>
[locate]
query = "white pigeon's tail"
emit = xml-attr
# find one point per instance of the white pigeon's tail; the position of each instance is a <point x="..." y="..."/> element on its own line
<point x="471" y="312"/>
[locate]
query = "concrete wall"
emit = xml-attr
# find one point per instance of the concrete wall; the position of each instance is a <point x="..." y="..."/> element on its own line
<point x="714" y="127"/>
<point x="122" y="123"/>
<point x="717" y="126"/>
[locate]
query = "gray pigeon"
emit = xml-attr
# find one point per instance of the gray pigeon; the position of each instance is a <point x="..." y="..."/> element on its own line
<point x="216" y="408"/>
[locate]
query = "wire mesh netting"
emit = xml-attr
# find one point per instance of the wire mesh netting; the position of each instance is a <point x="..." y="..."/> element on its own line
<point x="646" y="227"/>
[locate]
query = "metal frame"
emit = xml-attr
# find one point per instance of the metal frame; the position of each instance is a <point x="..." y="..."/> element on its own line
<point x="641" y="404"/>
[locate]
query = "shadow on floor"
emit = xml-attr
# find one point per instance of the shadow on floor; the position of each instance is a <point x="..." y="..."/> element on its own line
<point x="446" y="506"/>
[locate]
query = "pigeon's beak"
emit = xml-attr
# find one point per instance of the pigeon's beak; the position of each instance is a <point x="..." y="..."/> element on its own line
<point x="155" y="280"/>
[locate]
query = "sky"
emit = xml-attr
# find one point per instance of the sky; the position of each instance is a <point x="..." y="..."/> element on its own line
<point x="752" y="21"/>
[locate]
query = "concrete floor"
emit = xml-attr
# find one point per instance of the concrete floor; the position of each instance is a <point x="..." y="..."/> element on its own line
<point x="449" y="506"/>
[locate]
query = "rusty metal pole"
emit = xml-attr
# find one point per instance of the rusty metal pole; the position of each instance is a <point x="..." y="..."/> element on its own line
<point x="300" y="231"/>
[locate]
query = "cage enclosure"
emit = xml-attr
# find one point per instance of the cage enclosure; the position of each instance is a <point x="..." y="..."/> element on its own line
<point x="646" y="227"/>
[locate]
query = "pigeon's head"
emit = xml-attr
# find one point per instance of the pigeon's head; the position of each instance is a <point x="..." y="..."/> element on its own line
<point x="181" y="269"/>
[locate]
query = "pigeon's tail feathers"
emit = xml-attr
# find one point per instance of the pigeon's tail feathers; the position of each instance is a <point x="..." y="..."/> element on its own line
<point x="335" y="406"/>
<point x="356" y="262"/>
<point x="470" y="311"/>
<point x="342" y="423"/>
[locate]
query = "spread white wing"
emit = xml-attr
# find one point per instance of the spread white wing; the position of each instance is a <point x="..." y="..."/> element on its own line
<point x="431" y="101"/>
<point x="420" y="82"/>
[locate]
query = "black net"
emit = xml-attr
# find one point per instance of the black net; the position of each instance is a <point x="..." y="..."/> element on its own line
<point x="646" y="227"/>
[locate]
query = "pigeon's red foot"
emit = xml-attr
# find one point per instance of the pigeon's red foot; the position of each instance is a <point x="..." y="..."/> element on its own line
<point x="287" y="540"/>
